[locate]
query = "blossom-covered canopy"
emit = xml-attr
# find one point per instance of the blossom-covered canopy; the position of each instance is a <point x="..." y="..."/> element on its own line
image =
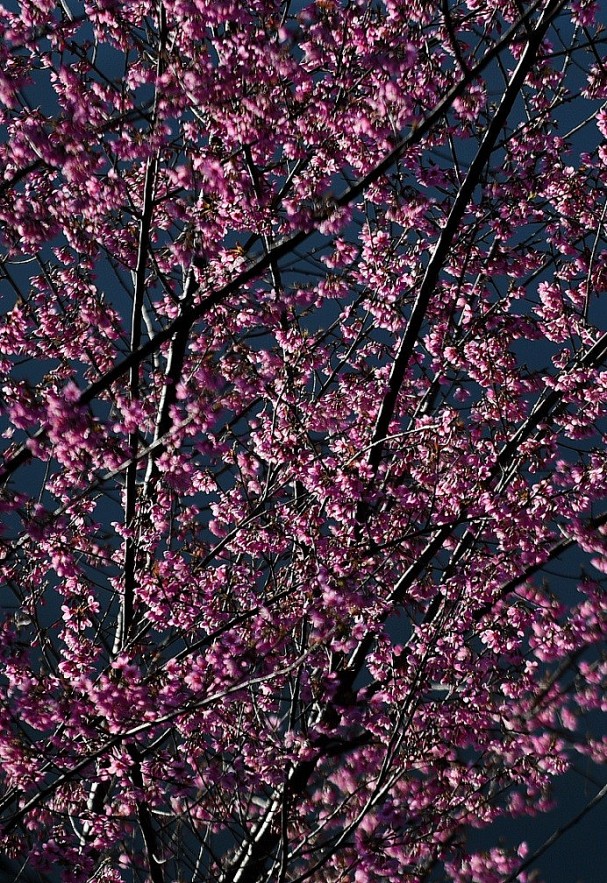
<point x="302" y="400"/>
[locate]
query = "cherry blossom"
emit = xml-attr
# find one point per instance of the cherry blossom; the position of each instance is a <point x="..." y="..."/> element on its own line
<point x="303" y="402"/>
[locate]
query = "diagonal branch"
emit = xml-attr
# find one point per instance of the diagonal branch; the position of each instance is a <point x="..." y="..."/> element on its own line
<point x="283" y="247"/>
<point x="515" y="875"/>
<point x="450" y="230"/>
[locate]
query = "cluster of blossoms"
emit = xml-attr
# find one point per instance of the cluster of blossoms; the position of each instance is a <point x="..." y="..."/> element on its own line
<point x="303" y="400"/>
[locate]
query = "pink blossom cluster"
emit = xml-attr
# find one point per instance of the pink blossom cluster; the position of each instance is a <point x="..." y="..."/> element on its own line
<point x="304" y="406"/>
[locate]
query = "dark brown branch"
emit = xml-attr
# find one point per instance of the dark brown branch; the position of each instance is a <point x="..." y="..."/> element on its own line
<point x="511" y="878"/>
<point x="282" y="248"/>
<point x="145" y="822"/>
<point x="453" y="37"/>
<point x="130" y="543"/>
<point x="432" y="274"/>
